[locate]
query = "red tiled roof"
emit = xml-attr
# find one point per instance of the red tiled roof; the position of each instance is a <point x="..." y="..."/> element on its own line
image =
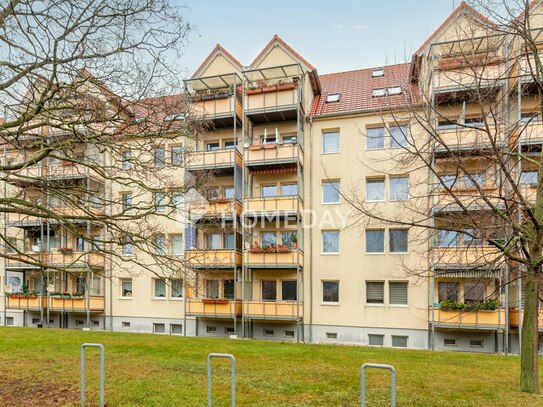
<point x="463" y="7"/>
<point x="356" y="88"/>
<point x="288" y="47"/>
<point x="218" y="47"/>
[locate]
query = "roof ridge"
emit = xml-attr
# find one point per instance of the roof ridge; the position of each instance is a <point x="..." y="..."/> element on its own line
<point x="216" y="48"/>
<point x="365" y="69"/>
<point x="287" y="46"/>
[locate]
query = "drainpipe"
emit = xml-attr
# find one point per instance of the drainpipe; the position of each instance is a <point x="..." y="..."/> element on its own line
<point x="311" y="230"/>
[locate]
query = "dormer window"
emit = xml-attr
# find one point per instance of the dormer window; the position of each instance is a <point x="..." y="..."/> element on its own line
<point x="376" y="73"/>
<point x="394" y="90"/>
<point x="378" y="92"/>
<point x="333" y="97"/>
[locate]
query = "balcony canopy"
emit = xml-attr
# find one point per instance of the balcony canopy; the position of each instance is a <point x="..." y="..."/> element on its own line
<point x="210" y="83"/>
<point x="273" y="74"/>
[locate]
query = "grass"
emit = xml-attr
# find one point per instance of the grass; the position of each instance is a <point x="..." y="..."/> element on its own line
<point x="41" y="368"/>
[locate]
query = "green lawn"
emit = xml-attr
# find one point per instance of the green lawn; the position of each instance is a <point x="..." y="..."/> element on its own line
<point x="41" y="368"/>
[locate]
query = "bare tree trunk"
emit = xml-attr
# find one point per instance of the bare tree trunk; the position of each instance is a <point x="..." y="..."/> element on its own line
<point x="529" y="372"/>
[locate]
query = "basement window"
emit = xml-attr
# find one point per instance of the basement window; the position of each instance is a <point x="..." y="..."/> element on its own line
<point x="376" y="73"/>
<point x="229" y="330"/>
<point x="125" y="324"/>
<point x="333" y="97"/>
<point x="450" y="342"/>
<point x="159" y="328"/>
<point x="376" y="340"/>
<point x="331" y="335"/>
<point x="211" y="329"/>
<point x="176" y="329"/>
<point x="475" y="343"/>
<point x="268" y="332"/>
<point x="289" y="334"/>
<point x="9" y="321"/>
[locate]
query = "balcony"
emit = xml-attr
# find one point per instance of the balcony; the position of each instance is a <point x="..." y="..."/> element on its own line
<point x="213" y="308"/>
<point x="57" y="171"/>
<point x="493" y="320"/>
<point x="25" y="302"/>
<point x="280" y="205"/>
<point x="466" y="197"/>
<point x="466" y="256"/>
<point x="274" y="155"/>
<point x="213" y="258"/>
<point x="274" y="258"/>
<point x="515" y="318"/>
<point x="94" y="303"/>
<point x="71" y="215"/>
<point x="219" y="160"/>
<point x="66" y="260"/>
<point x="274" y="310"/>
<point x="214" y="209"/>
<point x="465" y="72"/>
<point x="273" y="94"/>
<point x="458" y="139"/>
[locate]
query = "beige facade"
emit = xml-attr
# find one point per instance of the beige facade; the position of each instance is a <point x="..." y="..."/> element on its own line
<point x="280" y="250"/>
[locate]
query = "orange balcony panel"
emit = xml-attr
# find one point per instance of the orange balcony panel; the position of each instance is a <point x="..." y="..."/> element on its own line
<point x="256" y="258"/>
<point x="213" y="159"/>
<point x="274" y="310"/>
<point x="220" y="258"/>
<point x="213" y="308"/>
<point x="217" y="106"/>
<point x="274" y="205"/>
<point x="69" y="170"/>
<point x="214" y="209"/>
<point x="58" y="259"/>
<point x="95" y="303"/>
<point x="467" y="77"/>
<point x="29" y="303"/>
<point x="469" y="319"/>
<point x="275" y="97"/>
<point x="515" y="318"/>
<point x="465" y="255"/>
<point x="469" y="197"/>
<point x="464" y="138"/>
<point x="273" y="154"/>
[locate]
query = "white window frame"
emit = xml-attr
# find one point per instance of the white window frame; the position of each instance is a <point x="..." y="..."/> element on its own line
<point x="338" y="242"/>
<point x="324" y="134"/>
<point x="329" y="182"/>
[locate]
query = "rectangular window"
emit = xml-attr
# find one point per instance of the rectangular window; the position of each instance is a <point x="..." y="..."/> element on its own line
<point x="375" y="138"/>
<point x="399" y="136"/>
<point x="267" y="332"/>
<point x="375" y="292"/>
<point x="160" y="201"/>
<point x="212" y="289"/>
<point x="330" y="241"/>
<point x="10" y="321"/>
<point x="268" y="239"/>
<point x="399" y="188"/>
<point x="125" y="324"/>
<point x="292" y="139"/>
<point x="213" y="241"/>
<point x="126" y="157"/>
<point x="229" y="330"/>
<point x="288" y="290"/>
<point x="399" y="341"/>
<point x="447" y="238"/>
<point x="160" y="245"/>
<point x="330" y="291"/>
<point x="176" y="155"/>
<point x="229" y="192"/>
<point x="289" y="238"/>
<point x="289" y="189"/>
<point x="447" y="124"/>
<point x="126" y="287"/>
<point x="394" y="90"/>
<point x="375" y="189"/>
<point x="377" y="73"/>
<point x="211" y="329"/>
<point x="160" y="157"/>
<point x="474" y="121"/>
<point x="474" y="292"/>
<point x="330" y="142"/>
<point x="213" y="146"/>
<point x="160" y="288"/>
<point x="269" y="290"/>
<point x="229" y="145"/>
<point x="375" y="241"/>
<point x="475" y="343"/>
<point x="378" y="92"/>
<point x="289" y="334"/>
<point x="79" y="244"/>
<point x="332" y="97"/>
<point x="331" y="335"/>
<point x="529" y="178"/>
<point x="176" y="329"/>
<point x="176" y="288"/>
<point x="397" y="293"/>
<point x="228" y="287"/>
<point x="478" y="179"/>
<point x="228" y="241"/>
<point x="213" y="193"/>
<point x="447" y="181"/>
<point x="376" y="340"/>
<point x="159" y="328"/>
<point x="330" y="192"/>
<point x="447" y="291"/>
<point x="398" y="240"/>
<point x="176" y="245"/>
<point x="269" y="191"/>
<point x="126" y="247"/>
<point x="177" y="201"/>
<point x="528" y="117"/>
<point x="450" y="342"/>
<point x="126" y="200"/>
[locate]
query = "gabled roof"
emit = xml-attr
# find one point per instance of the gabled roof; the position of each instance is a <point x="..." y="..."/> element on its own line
<point x="287" y="47"/>
<point x="219" y="49"/>
<point x="463" y="8"/>
<point x="531" y="5"/>
<point x="355" y="89"/>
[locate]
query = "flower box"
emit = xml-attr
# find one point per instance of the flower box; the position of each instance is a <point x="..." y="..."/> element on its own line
<point x="214" y="301"/>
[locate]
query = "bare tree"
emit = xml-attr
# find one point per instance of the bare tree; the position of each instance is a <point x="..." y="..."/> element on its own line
<point x="467" y="130"/>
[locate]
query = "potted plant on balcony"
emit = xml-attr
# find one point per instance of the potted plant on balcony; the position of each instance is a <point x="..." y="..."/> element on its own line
<point x="283" y="248"/>
<point x="451" y="305"/>
<point x="78" y="295"/>
<point x="255" y="248"/>
<point x="294" y="240"/>
<point x="66" y="250"/>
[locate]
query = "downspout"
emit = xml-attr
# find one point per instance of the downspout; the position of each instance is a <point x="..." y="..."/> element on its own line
<point x="310" y="229"/>
<point x="519" y="166"/>
<point x="110" y="254"/>
<point x="243" y="267"/>
<point x="5" y="218"/>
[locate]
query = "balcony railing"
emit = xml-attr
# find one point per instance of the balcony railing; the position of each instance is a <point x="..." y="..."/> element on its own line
<point x="213" y="159"/>
<point x="515" y="318"/>
<point x="493" y="320"/>
<point x="76" y="260"/>
<point x="72" y="215"/>
<point x="217" y="105"/>
<point x="466" y="197"/>
<point x="273" y="154"/>
<point x="213" y="258"/>
<point x="468" y="255"/>
<point x="279" y="257"/>
<point x="461" y="74"/>
<point x="273" y="205"/>
<point x="38" y="173"/>
<point x="213" y="308"/>
<point x="95" y="303"/>
<point x="463" y="138"/>
<point x="273" y="310"/>
<point x="219" y="208"/>
<point x="22" y="302"/>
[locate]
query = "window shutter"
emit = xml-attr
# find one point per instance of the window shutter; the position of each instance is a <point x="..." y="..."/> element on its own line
<point x="375" y="292"/>
<point x="398" y="293"/>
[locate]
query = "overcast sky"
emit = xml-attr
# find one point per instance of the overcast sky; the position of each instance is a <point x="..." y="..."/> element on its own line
<point x="334" y="36"/>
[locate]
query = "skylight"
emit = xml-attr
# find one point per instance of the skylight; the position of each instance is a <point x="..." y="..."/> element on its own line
<point x="395" y="90"/>
<point x="377" y="73"/>
<point x="378" y="92"/>
<point x="333" y="97"/>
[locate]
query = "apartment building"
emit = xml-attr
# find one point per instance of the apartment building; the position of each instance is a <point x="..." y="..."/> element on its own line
<point x="281" y="249"/>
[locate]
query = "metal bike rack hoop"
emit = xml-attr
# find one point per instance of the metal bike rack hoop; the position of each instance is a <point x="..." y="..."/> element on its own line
<point x="82" y="384"/>
<point x="363" y="382"/>
<point x="233" y="385"/>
